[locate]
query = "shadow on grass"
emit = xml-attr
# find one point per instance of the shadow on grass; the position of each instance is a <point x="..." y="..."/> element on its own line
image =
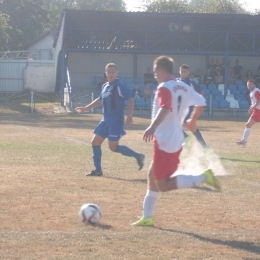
<point x="127" y="180"/>
<point x="239" y="160"/>
<point x="105" y="227"/>
<point x="245" y="246"/>
<point x="203" y="189"/>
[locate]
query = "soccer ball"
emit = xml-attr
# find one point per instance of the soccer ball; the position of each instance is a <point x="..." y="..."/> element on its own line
<point x="90" y="213"/>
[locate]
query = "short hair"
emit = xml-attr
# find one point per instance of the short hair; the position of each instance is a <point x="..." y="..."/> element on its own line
<point x="184" y="67"/>
<point x="111" y="65"/>
<point x="166" y="63"/>
<point x="251" y="80"/>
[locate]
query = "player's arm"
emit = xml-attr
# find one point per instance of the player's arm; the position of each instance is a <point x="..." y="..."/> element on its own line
<point x="257" y="96"/>
<point x="129" y="118"/>
<point x="96" y="103"/>
<point x="149" y="132"/>
<point x="191" y="123"/>
<point x="164" y="97"/>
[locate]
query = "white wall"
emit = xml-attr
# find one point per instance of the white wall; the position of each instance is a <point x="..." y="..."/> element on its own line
<point x="43" y="49"/>
<point x="13" y="78"/>
<point x="40" y="79"/>
<point x="84" y="66"/>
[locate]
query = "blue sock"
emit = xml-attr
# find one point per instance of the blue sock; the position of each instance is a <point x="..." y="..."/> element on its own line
<point x="97" y="153"/>
<point x="200" y="139"/>
<point x="185" y="134"/>
<point x="124" y="150"/>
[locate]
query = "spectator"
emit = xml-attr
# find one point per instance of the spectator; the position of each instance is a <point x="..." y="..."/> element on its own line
<point x="257" y="78"/>
<point x="231" y="76"/>
<point x="147" y="92"/>
<point x="217" y="66"/>
<point x="208" y="78"/>
<point x="192" y="77"/>
<point x="223" y="66"/>
<point x="211" y="66"/>
<point x="149" y="77"/>
<point x="105" y="78"/>
<point x="199" y="76"/>
<point x="238" y="70"/>
<point x="248" y="76"/>
<point x="136" y="92"/>
<point x="219" y="78"/>
<point x="100" y="84"/>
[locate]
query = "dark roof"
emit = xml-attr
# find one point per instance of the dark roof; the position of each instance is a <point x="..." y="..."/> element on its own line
<point x="52" y="32"/>
<point x="87" y="30"/>
<point x="159" y="21"/>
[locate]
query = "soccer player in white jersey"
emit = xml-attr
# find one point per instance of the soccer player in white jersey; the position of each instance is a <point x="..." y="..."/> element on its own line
<point x="254" y="110"/>
<point x="171" y="105"/>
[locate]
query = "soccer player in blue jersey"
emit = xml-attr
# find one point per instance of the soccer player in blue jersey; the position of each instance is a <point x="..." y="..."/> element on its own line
<point x="112" y="98"/>
<point x="184" y="71"/>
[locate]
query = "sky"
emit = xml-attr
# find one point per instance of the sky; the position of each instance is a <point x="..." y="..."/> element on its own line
<point x="132" y="5"/>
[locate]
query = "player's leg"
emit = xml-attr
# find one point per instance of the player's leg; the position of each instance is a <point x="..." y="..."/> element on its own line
<point x="196" y="133"/>
<point x="188" y="181"/>
<point x="115" y="133"/>
<point x="186" y="136"/>
<point x="100" y="134"/>
<point x="167" y="182"/>
<point x="247" y="131"/>
<point x="199" y="137"/>
<point x="150" y="200"/>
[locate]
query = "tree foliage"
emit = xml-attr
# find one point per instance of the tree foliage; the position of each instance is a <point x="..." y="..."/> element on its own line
<point x="4" y="38"/>
<point x="218" y="6"/>
<point x="168" y="6"/>
<point x="101" y="5"/>
<point x="194" y="6"/>
<point x="23" y="20"/>
<point x="26" y="20"/>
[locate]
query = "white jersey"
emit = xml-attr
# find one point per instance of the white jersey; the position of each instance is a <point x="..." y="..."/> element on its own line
<point x="253" y="96"/>
<point x="169" y="133"/>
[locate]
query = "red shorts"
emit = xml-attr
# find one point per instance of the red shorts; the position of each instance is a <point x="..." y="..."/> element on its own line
<point x="164" y="164"/>
<point x="256" y="115"/>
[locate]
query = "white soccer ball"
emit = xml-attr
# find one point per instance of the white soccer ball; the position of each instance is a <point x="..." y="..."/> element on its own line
<point x="90" y="213"/>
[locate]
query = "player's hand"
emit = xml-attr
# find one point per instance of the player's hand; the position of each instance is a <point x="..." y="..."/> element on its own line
<point x="250" y="111"/>
<point x="191" y="125"/>
<point x="129" y="120"/>
<point x="80" y="109"/>
<point x="148" y="134"/>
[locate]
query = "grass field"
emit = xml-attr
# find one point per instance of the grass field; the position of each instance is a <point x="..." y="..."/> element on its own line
<point x="43" y="161"/>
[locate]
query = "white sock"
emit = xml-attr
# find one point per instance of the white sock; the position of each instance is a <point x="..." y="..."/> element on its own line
<point x="246" y="134"/>
<point x="187" y="181"/>
<point x="149" y="203"/>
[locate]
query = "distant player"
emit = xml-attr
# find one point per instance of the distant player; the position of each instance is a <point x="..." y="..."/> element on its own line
<point x="112" y="98"/>
<point x="171" y="104"/>
<point x="184" y="71"/>
<point x="254" y="110"/>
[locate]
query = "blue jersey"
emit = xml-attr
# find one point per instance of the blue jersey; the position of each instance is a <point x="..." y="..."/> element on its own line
<point x="192" y="83"/>
<point x="113" y="96"/>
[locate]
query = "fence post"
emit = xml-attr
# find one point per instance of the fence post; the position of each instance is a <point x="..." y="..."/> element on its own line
<point x="210" y="105"/>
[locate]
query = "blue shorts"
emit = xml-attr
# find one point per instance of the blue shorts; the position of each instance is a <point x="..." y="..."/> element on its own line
<point x="112" y="131"/>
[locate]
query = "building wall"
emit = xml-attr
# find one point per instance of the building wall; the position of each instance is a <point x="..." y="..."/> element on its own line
<point x="43" y="49"/>
<point x="19" y="75"/>
<point x="84" y="66"/>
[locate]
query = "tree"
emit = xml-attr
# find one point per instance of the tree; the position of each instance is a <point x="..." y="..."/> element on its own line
<point x="194" y="6"/>
<point x="166" y="6"/>
<point x="217" y="6"/>
<point x="101" y="5"/>
<point x="27" y="19"/>
<point x="4" y="37"/>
